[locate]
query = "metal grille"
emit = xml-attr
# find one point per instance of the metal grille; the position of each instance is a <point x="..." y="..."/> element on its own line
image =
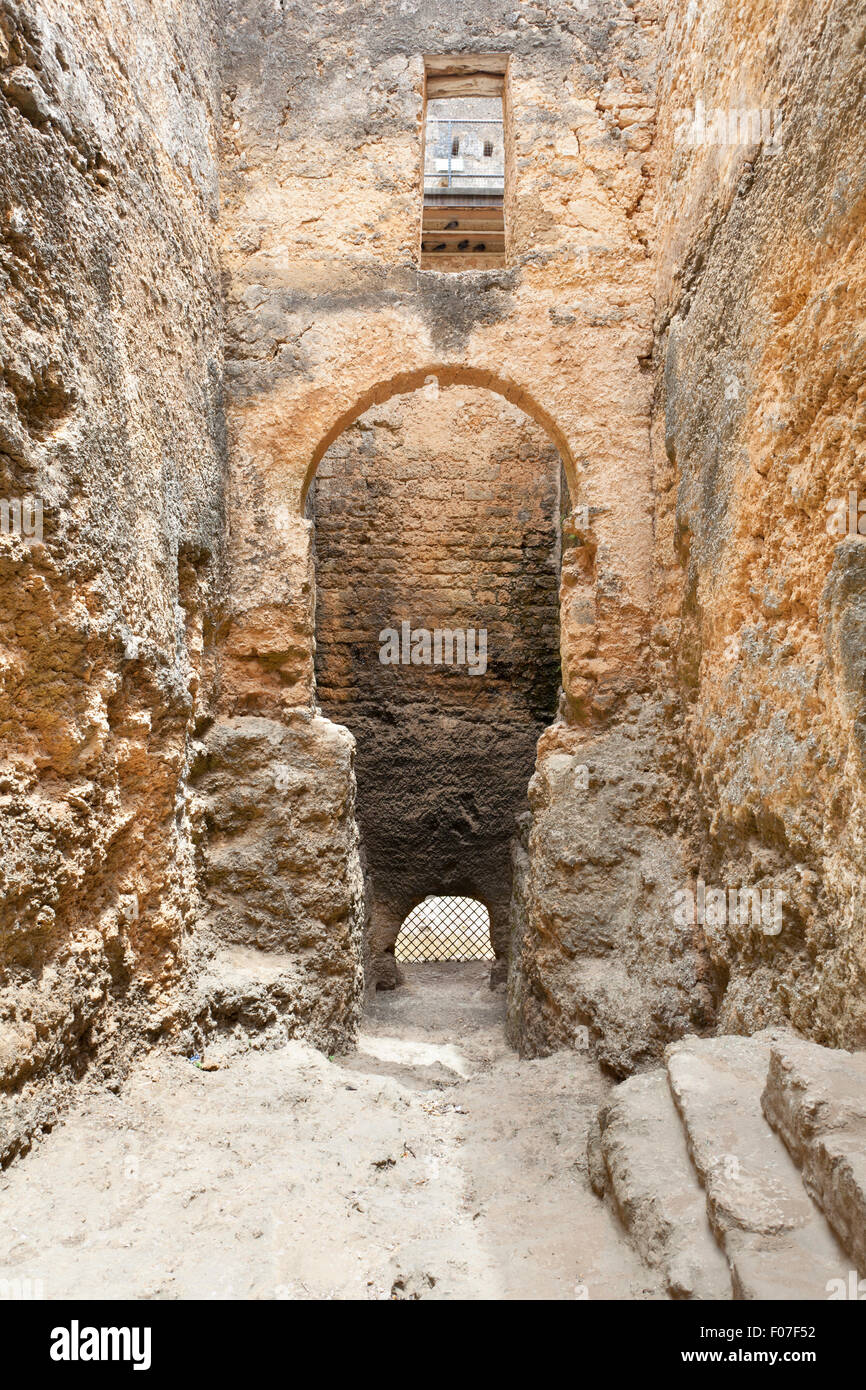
<point x="445" y="929"/>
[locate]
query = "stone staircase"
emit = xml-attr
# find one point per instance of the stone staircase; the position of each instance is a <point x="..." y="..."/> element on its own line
<point x="739" y="1169"/>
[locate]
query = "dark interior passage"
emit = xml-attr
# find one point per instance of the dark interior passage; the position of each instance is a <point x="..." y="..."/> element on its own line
<point x="437" y="560"/>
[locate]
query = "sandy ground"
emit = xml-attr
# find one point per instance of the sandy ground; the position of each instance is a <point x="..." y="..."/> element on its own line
<point x="431" y="1163"/>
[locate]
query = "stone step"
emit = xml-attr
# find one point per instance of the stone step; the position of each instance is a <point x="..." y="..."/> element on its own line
<point x="655" y="1190"/>
<point x="778" y="1244"/>
<point x="815" y="1100"/>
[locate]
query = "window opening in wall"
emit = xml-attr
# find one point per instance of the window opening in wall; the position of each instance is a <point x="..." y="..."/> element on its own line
<point x="445" y="929"/>
<point x="463" y="221"/>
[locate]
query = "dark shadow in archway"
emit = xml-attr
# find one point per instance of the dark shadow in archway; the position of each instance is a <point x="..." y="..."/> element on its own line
<point x="438" y="510"/>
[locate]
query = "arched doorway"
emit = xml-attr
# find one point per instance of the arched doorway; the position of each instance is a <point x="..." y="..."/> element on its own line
<point x="436" y="520"/>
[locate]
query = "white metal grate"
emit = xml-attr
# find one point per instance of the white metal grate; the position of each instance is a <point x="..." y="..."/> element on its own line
<point x="445" y="929"/>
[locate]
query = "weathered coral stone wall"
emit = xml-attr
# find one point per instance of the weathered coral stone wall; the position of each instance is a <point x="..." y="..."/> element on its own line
<point x="329" y="314"/>
<point x="170" y="795"/>
<point x="163" y="763"/>
<point x="111" y="416"/>
<point x="439" y="509"/>
<point x="762" y="388"/>
<point x="283" y="882"/>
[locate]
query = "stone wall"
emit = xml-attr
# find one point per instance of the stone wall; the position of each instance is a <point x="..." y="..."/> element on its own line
<point x="111" y="421"/>
<point x="329" y="315"/>
<point x="761" y="363"/>
<point x="598" y="961"/>
<point x="283" y="882"/>
<point x="439" y="509"/>
<point x="173" y="807"/>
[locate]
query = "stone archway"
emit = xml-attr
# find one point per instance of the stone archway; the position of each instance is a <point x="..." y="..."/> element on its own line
<point x="564" y="330"/>
<point x="279" y="437"/>
<point x="445" y="928"/>
<point x="439" y="512"/>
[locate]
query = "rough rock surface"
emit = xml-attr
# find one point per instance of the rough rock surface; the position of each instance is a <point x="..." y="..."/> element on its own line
<point x="111" y="419"/>
<point x="777" y="1242"/>
<point x="656" y="1190"/>
<point x="815" y="1099"/>
<point x="597" y="959"/>
<point x="282" y="874"/>
<point x="761" y="357"/>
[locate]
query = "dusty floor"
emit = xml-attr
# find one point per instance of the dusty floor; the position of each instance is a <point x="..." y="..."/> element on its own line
<point x="431" y="1163"/>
